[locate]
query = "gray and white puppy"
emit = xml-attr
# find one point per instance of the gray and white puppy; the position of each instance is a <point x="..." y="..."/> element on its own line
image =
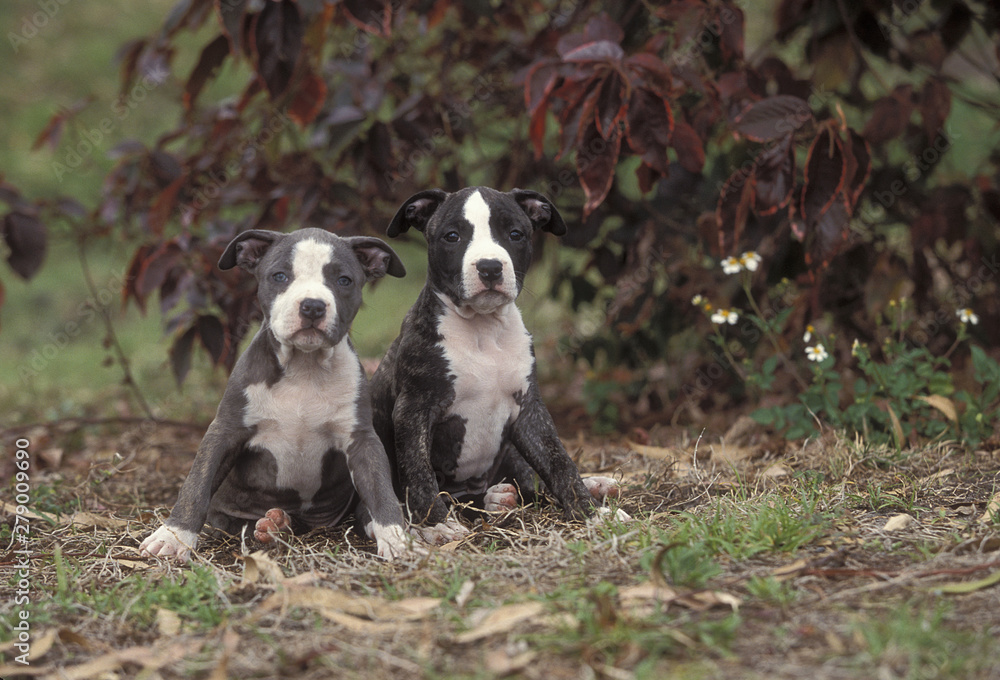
<point x="456" y="400"/>
<point x="292" y="444"/>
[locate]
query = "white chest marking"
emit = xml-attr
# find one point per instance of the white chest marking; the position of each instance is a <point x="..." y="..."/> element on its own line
<point x="308" y="259"/>
<point x="307" y="412"/>
<point x="483" y="247"/>
<point x="489" y="357"/>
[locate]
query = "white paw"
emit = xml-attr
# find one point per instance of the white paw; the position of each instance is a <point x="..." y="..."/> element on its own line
<point x="602" y="488"/>
<point x="391" y="541"/>
<point x="439" y="534"/>
<point x="170" y="542"/>
<point x="605" y="513"/>
<point x="500" y="498"/>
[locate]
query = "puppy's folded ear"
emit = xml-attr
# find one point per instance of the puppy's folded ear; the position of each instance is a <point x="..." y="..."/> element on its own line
<point x="416" y="212"/>
<point x="540" y="211"/>
<point x="376" y="257"/>
<point x="246" y="249"/>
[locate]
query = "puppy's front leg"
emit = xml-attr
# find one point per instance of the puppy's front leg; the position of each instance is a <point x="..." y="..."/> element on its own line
<point x="372" y="478"/>
<point x="534" y="436"/>
<point x="178" y="536"/>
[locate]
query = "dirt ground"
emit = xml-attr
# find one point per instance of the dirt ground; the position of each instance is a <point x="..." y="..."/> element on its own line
<point x="896" y="576"/>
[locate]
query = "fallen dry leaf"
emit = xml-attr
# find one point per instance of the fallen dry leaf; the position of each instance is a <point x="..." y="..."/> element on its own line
<point x="11" y="509"/>
<point x="729" y="454"/>
<point x="258" y="566"/>
<point x="230" y="641"/>
<point x="502" y="620"/>
<point x="942" y="404"/>
<point x="326" y="600"/>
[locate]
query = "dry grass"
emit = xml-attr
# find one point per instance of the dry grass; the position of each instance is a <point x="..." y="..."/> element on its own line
<point x="753" y="559"/>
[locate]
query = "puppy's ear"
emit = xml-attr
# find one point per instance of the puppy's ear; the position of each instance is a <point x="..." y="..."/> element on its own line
<point x="245" y="250"/>
<point x="540" y="211"/>
<point x="376" y="257"/>
<point x="416" y="212"/>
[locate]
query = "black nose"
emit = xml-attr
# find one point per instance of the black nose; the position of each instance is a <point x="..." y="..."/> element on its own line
<point x="490" y="270"/>
<point x="311" y="308"/>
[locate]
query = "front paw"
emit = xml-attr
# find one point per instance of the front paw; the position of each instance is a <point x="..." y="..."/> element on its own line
<point x="500" y="498"/>
<point x="274" y="522"/>
<point x="392" y="541"/>
<point x="602" y="488"/>
<point x="170" y="542"/>
<point x="441" y="533"/>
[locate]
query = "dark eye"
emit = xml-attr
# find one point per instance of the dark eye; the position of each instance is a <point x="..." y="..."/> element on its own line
<point x="516" y="235"/>
<point x="280" y="277"/>
<point x="344" y="281"/>
<point x="452" y="237"/>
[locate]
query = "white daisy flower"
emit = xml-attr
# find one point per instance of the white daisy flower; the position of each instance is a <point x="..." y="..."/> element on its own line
<point x="732" y="265"/>
<point x="698" y="300"/>
<point x="725" y="316"/>
<point x="816" y="353"/>
<point x="856" y="347"/>
<point x="808" y="334"/>
<point x="751" y="260"/>
<point x="967" y="316"/>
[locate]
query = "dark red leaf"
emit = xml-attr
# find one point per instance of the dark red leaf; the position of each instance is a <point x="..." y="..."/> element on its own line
<point x="774" y="174"/>
<point x="825" y="175"/>
<point x="180" y="354"/>
<point x="162" y="207"/>
<point x="208" y="65"/>
<point x="596" y="159"/>
<point x="610" y="107"/>
<point x="650" y="71"/>
<point x="27" y="241"/>
<point x="772" y="118"/>
<point x="278" y="32"/>
<point x="52" y="133"/>
<point x="128" y="56"/>
<point x="152" y="271"/>
<point x="373" y="16"/>
<point x="735" y="203"/>
<point x="650" y="125"/>
<point x="231" y="15"/>
<point x="212" y="335"/>
<point x="309" y="99"/>
<point x="538" y="84"/>
<point x="536" y="130"/>
<point x="689" y="147"/>
<point x="935" y="105"/>
<point x="890" y="116"/>
<point x="828" y="235"/>
<point x="578" y="112"/>
<point x="601" y="50"/>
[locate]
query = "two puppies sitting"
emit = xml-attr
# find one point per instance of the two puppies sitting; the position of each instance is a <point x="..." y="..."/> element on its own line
<point x="300" y="440"/>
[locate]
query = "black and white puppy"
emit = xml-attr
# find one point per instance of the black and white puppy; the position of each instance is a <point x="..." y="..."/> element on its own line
<point x="456" y="400"/>
<point x="292" y="444"/>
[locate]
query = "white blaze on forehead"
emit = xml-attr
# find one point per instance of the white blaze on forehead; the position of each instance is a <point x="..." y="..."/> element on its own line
<point x="483" y="247"/>
<point x="308" y="259"/>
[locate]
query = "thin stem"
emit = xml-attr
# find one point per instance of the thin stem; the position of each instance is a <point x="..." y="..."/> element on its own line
<point x="105" y="315"/>
<point x="766" y="327"/>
